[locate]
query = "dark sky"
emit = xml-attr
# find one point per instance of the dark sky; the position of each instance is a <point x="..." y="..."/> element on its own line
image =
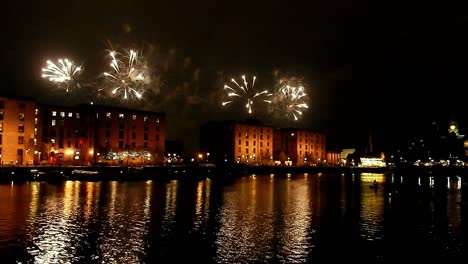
<point x="388" y="67"/>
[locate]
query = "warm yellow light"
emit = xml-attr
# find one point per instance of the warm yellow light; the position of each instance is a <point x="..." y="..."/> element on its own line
<point x="69" y="152"/>
<point x="200" y="156"/>
<point x="452" y="127"/>
<point x="91" y="152"/>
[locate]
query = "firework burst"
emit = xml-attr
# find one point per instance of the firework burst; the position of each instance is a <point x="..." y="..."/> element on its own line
<point x="290" y="100"/>
<point x="128" y="76"/>
<point x="246" y="93"/>
<point x="65" y="73"/>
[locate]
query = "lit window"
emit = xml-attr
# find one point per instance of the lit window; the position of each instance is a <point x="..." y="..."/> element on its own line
<point x="53" y="122"/>
<point x="21" y="128"/>
<point x="35" y="142"/>
<point x="35" y="131"/>
<point x="62" y="114"/>
<point x="157" y="120"/>
<point x="21" y="117"/>
<point x="70" y="114"/>
<point x="108" y="114"/>
<point x="35" y="120"/>
<point x="77" y="115"/>
<point x="37" y="111"/>
<point x="121" y="115"/>
<point x="54" y="113"/>
<point x="52" y="141"/>
<point x="134" y="117"/>
<point x="20" y="140"/>
<point x="97" y="115"/>
<point x="145" y="119"/>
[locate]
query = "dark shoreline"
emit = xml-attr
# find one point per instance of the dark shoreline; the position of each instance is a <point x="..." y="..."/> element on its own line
<point x="186" y="172"/>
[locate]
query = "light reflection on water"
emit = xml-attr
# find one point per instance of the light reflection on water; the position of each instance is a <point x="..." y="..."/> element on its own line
<point x="261" y="218"/>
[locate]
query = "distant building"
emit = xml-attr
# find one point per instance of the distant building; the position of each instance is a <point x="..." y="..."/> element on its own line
<point x="299" y="146"/>
<point x="241" y="142"/>
<point x="18" y="131"/>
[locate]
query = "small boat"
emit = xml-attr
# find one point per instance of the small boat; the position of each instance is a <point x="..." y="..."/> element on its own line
<point x="84" y="175"/>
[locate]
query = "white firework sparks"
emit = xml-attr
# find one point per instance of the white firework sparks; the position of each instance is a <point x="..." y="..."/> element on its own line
<point x="65" y="73"/>
<point x="246" y="92"/>
<point x="127" y="76"/>
<point x="291" y="100"/>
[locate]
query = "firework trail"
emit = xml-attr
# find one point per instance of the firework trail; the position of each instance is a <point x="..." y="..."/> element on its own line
<point x="245" y="93"/>
<point x="128" y="76"/>
<point x="290" y="100"/>
<point x="64" y="74"/>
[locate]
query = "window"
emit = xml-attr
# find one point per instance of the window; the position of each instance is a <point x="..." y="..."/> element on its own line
<point x="157" y="137"/>
<point x="121" y="125"/>
<point x="2" y="104"/>
<point x="254" y="142"/>
<point x="97" y="115"/>
<point x="254" y="150"/>
<point x="62" y="122"/>
<point x="121" y="116"/>
<point x="247" y="143"/>
<point x="239" y="150"/>
<point x="255" y="136"/>
<point x="62" y="114"/>
<point x="53" y="122"/>
<point x="1" y="115"/>
<point x="21" y="117"/>
<point x="133" y="117"/>
<point x="121" y="144"/>
<point x="54" y="113"/>
<point x="108" y="115"/>
<point x="145" y="119"/>
<point x="1" y="126"/>
<point x="20" y="140"/>
<point x="145" y="136"/>
<point x="36" y="111"/>
<point x="145" y="128"/>
<point x="240" y="142"/>
<point x="21" y="128"/>
<point x="35" y="131"/>
<point x="247" y="151"/>
<point x="70" y="114"/>
<point x="261" y="137"/>
<point x="261" y="130"/>
<point x="246" y="135"/>
<point x="305" y="146"/>
<point x="35" y="120"/>
<point x="35" y="142"/>
<point x="157" y="120"/>
<point x="133" y="135"/>
<point x="121" y="134"/>
<point x="268" y="144"/>
<point x="145" y="144"/>
<point x="261" y="144"/>
<point x="1" y="138"/>
<point x="77" y="115"/>
<point x="107" y="133"/>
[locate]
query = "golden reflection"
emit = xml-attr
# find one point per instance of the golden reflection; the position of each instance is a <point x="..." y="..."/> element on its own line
<point x="171" y="201"/>
<point x="202" y="205"/>
<point x="247" y="221"/>
<point x="372" y="206"/>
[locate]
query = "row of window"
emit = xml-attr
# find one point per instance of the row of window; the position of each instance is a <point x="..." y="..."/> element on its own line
<point x="254" y="150"/>
<point x="254" y="136"/>
<point x="121" y="145"/>
<point x="20" y="140"/>
<point x="122" y="116"/>
<point x="63" y="114"/>
<point x="20" y="116"/>
<point x="121" y="135"/>
<point x="254" y="143"/>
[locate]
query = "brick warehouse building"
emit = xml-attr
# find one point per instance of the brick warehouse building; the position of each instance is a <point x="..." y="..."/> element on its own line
<point x="251" y="142"/>
<point x="32" y="133"/>
<point x="243" y="142"/>
<point x="18" y="131"/>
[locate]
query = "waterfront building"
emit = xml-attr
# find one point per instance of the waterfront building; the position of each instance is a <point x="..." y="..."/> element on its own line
<point x="18" y="131"/>
<point x="300" y="146"/>
<point x="32" y="133"/>
<point x="240" y="142"/>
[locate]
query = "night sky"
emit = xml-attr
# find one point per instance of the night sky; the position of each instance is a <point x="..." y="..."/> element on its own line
<point x="388" y="68"/>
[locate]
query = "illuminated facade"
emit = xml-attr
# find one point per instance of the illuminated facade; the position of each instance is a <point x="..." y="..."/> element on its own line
<point x="18" y="131"/>
<point x="124" y="135"/>
<point x="241" y="142"/>
<point x="301" y="147"/>
<point x="31" y="133"/>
